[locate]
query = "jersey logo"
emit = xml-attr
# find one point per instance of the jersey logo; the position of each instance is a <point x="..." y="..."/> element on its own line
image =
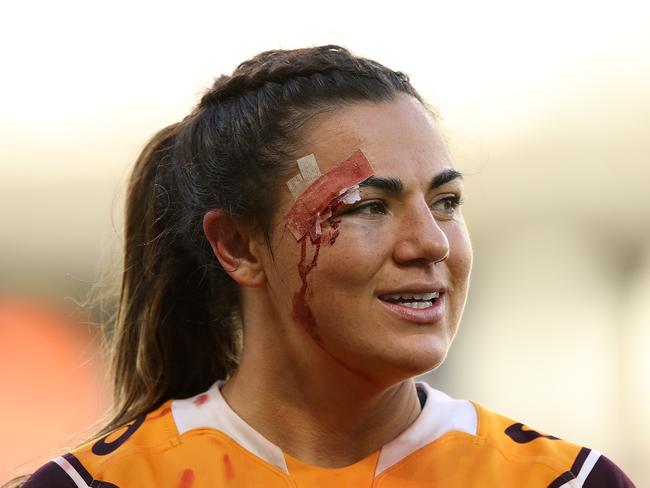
<point x="521" y="436"/>
<point x="102" y="448"/>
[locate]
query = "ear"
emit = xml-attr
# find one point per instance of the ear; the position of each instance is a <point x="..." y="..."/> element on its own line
<point x="233" y="245"/>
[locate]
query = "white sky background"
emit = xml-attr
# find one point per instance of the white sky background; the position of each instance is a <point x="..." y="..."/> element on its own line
<point x="84" y="83"/>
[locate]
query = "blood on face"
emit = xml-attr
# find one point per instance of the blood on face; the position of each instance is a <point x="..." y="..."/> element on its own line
<point x="307" y="229"/>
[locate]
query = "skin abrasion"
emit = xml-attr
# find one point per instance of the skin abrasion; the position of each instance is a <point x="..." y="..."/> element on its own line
<point x="311" y="209"/>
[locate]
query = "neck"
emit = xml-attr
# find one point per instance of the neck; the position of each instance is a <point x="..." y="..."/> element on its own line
<point x="323" y="427"/>
<point x="333" y="419"/>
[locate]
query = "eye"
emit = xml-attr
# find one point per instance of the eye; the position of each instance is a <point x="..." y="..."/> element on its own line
<point x="367" y="208"/>
<point x="448" y="206"/>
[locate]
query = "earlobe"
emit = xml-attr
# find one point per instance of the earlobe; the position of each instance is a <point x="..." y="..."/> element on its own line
<point x="231" y="244"/>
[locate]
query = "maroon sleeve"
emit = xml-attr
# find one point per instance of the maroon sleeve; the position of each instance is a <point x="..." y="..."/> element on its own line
<point x="605" y="474"/>
<point x="50" y="475"/>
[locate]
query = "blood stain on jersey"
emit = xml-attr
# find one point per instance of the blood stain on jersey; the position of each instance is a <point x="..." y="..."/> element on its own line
<point x="228" y="469"/>
<point x="201" y="399"/>
<point x="187" y="479"/>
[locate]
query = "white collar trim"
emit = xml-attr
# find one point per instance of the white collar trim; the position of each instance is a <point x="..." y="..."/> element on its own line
<point x="212" y="411"/>
<point x="440" y="415"/>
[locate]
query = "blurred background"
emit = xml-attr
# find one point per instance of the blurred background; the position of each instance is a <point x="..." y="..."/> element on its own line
<point x="547" y="110"/>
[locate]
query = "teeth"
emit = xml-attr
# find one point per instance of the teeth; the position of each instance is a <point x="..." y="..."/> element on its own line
<point x="413" y="296"/>
<point x="424" y="304"/>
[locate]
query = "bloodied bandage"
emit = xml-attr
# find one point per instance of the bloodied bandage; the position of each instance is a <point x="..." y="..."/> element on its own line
<point x="314" y="203"/>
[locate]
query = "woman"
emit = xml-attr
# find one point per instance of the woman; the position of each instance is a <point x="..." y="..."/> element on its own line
<point x="295" y="255"/>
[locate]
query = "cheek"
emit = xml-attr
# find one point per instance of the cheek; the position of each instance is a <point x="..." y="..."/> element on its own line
<point x="350" y="255"/>
<point x="460" y="254"/>
<point x="281" y="269"/>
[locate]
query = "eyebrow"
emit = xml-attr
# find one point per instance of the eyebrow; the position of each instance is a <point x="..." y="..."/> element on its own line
<point x="395" y="185"/>
<point x="444" y="177"/>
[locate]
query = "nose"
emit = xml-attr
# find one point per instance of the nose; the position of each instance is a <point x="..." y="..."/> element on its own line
<point x="419" y="237"/>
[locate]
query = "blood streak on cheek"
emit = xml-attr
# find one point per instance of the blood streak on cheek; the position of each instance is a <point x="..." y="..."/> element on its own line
<point x="302" y="313"/>
<point x="304" y="219"/>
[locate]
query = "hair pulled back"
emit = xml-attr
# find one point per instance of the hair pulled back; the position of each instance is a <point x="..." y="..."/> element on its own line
<point x="177" y="330"/>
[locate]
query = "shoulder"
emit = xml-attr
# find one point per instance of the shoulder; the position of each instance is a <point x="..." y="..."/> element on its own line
<point x="86" y="465"/>
<point x="519" y="443"/>
<point x="175" y="445"/>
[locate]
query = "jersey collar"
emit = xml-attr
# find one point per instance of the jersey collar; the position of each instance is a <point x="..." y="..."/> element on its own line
<point x="441" y="414"/>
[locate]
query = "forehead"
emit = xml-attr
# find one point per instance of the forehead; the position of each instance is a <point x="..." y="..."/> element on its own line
<point x="399" y="137"/>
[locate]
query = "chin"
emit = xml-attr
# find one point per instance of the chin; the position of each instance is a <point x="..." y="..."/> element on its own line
<point x="414" y="361"/>
<point x="430" y="362"/>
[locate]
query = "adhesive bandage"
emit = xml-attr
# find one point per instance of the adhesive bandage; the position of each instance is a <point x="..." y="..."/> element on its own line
<point x="314" y="200"/>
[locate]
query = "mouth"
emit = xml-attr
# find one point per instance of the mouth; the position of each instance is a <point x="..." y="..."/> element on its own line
<point x="420" y="308"/>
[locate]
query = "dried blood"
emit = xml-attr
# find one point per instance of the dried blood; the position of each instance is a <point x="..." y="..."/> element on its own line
<point x="303" y="217"/>
<point x="228" y="469"/>
<point x="334" y="224"/>
<point x="302" y="313"/>
<point x="187" y="479"/>
<point x="200" y="400"/>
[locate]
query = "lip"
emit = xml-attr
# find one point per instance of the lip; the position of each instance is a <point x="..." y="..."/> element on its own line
<point x="428" y="315"/>
<point x="413" y="288"/>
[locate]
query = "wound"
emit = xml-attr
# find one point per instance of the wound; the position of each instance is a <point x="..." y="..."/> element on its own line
<point x="334" y="231"/>
<point x="314" y="205"/>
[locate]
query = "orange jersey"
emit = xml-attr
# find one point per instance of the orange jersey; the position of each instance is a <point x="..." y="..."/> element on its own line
<point x="201" y="442"/>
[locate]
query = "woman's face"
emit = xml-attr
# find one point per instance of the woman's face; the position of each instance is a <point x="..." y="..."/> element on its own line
<point x="405" y="237"/>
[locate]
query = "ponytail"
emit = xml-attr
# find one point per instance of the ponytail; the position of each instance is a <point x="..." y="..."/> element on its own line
<point x="175" y="330"/>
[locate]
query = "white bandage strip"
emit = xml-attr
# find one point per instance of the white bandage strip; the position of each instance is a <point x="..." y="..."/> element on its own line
<point x="309" y="172"/>
<point x="296" y="185"/>
<point x="309" y="168"/>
